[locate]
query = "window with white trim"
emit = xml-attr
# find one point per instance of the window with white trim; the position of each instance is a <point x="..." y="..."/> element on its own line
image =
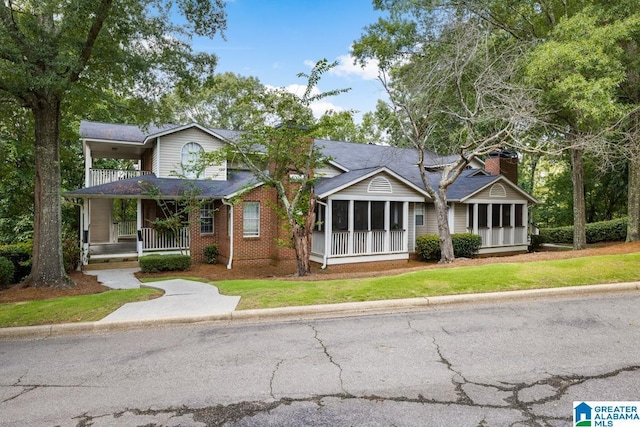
<point x="251" y="219"/>
<point x="206" y="218"/>
<point x="191" y="153"/>
<point x="419" y="214"/>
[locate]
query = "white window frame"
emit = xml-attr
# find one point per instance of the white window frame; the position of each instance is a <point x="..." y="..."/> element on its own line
<point x="189" y="156"/>
<point x="250" y="219"/>
<point x="206" y="208"/>
<point x="419" y="213"/>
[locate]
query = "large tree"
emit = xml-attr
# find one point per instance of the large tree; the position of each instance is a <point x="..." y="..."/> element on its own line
<point x="51" y="49"/>
<point x="454" y="96"/>
<point x="580" y="69"/>
<point x="282" y="154"/>
<point x="228" y="102"/>
<point x="535" y="21"/>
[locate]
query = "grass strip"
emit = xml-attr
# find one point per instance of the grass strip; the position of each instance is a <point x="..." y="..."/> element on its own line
<point x="81" y="308"/>
<point x="438" y="281"/>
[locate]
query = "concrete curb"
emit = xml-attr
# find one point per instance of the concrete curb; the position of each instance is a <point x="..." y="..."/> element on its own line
<point x="315" y="311"/>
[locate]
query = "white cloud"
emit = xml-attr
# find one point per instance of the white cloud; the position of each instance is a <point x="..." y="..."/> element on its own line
<point x="347" y="68"/>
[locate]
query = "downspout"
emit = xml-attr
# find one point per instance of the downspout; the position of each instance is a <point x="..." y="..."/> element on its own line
<point x="225" y="202"/>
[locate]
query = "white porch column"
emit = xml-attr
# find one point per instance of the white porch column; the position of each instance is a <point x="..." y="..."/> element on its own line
<point x="489" y="224"/>
<point x="350" y="227"/>
<point x="513" y="223"/>
<point x="328" y="229"/>
<point x="474" y="226"/>
<point x="88" y="163"/>
<point x="387" y="226"/>
<point x="525" y="223"/>
<point x="139" y="226"/>
<point x="405" y="221"/>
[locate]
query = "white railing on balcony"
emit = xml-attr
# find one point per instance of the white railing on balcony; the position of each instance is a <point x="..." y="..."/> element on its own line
<point x="153" y="240"/>
<point x="105" y="176"/>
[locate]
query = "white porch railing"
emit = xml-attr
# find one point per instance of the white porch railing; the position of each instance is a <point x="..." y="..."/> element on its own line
<point x="502" y="236"/>
<point x="344" y="243"/>
<point x="105" y="176"/>
<point x="155" y="241"/>
<point x="122" y="229"/>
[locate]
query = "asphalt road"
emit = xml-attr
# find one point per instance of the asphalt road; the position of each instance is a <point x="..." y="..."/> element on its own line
<point x="502" y="364"/>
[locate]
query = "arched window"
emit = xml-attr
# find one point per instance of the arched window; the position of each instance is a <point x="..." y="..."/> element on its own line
<point x="191" y="153"/>
<point x="498" y="190"/>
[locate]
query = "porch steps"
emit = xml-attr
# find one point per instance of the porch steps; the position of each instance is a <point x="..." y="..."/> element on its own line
<point x="112" y="263"/>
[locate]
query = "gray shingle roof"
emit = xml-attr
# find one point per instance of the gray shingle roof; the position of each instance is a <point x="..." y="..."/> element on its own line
<point x="146" y="185"/>
<point x="357" y="159"/>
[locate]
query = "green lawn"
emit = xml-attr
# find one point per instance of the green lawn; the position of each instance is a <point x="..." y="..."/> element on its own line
<point x="84" y="308"/>
<point x="281" y="293"/>
<point x="439" y="281"/>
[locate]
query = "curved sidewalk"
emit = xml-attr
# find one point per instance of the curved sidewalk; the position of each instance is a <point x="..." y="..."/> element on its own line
<point x="181" y="299"/>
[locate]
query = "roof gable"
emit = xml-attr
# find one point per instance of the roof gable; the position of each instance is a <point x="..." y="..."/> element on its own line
<point x="329" y="186"/>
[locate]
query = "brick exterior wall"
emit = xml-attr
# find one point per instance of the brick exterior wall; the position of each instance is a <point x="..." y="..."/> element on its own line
<point x="247" y="251"/>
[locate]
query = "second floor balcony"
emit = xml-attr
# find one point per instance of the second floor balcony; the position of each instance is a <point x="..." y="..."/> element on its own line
<point x="105" y="176"/>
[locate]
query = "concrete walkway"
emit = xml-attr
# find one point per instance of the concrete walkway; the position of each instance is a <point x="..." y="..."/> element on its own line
<point x="182" y="299"/>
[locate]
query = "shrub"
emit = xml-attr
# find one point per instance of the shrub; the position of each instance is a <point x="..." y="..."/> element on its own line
<point x="6" y="271"/>
<point x="156" y="263"/>
<point x="465" y="245"/>
<point x="71" y="254"/>
<point x="19" y="255"/>
<point x="428" y="247"/>
<point x="211" y="253"/>
<point x="604" y="231"/>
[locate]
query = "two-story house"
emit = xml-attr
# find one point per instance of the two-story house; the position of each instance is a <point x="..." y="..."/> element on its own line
<point x="371" y="202"/>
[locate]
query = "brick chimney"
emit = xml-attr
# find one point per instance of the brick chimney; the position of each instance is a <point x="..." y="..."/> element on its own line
<point x="503" y="162"/>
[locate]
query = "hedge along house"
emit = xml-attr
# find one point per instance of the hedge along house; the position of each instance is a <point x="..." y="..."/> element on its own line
<point x="371" y="203"/>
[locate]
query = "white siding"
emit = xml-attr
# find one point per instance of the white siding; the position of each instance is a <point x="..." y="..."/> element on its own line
<point x="430" y="221"/>
<point x="399" y="190"/>
<point x="511" y="195"/>
<point x="459" y="218"/>
<point x="327" y="171"/>
<point x="171" y="153"/>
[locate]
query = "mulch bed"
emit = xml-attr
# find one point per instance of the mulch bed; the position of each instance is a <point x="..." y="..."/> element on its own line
<point x="88" y="284"/>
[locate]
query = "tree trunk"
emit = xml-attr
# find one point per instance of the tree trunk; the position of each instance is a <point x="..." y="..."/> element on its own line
<point x="444" y="234"/>
<point x="579" y="208"/>
<point x="47" y="268"/>
<point x="302" y="238"/>
<point x="633" y="200"/>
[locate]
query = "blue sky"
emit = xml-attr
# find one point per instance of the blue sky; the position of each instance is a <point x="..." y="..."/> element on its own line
<point x="274" y="40"/>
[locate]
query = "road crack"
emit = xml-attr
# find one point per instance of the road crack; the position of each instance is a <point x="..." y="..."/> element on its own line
<point x="330" y="357"/>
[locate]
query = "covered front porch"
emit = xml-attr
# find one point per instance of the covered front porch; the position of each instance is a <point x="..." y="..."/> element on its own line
<point x="353" y="231"/>
<point x="109" y="233"/>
